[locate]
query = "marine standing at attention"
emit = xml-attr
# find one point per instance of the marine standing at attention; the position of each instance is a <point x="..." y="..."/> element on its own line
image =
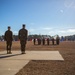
<point x="23" y="33"/>
<point x="8" y="36"/>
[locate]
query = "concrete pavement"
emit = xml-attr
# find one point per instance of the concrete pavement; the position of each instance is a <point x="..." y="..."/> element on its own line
<point x="10" y="64"/>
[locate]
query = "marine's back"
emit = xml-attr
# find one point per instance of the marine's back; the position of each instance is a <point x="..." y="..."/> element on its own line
<point x="23" y="34"/>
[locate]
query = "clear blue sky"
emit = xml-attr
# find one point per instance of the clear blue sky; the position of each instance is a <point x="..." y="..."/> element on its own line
<point x="40" y="16"/>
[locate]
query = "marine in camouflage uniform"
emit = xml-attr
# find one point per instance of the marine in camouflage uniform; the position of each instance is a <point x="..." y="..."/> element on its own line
<point x="57" y="40"/>
<point x="34" y="41"/>
<point x="43" y="41"/>
<point x="39" y="41"/>
<point x="23" y="38"/>
<point x="52" y="40"/>
<point x="8" y="36"/>
<point x="47" y="41"/>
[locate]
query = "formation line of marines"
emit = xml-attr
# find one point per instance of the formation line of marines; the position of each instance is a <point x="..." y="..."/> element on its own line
<point x="47" y="41"/>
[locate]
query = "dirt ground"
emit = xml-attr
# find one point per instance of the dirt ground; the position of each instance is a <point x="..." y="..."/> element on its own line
<point x="51" y="67"/>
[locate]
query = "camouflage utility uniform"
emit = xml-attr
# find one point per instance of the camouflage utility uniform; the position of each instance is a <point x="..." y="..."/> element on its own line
<point x="47" y="41"/>
<point x="8" y="38"/>
<point x="57" y="40"/>
<point x="34" y="41"/>
<point x="43" y="41"/>
<point x="23" y="39"/>
<point x="53" y="41"/>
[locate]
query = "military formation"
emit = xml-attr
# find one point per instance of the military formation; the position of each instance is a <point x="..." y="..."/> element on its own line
<point x="22" y="35"/>
<point x="47" y="41"/>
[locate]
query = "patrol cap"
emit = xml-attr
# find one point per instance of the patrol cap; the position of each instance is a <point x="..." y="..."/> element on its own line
<point x="23" y="25"/>
<point x="9" y="27"/>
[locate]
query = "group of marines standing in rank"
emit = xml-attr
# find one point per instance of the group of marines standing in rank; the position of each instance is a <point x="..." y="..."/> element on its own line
<point x="47" y="41"/>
